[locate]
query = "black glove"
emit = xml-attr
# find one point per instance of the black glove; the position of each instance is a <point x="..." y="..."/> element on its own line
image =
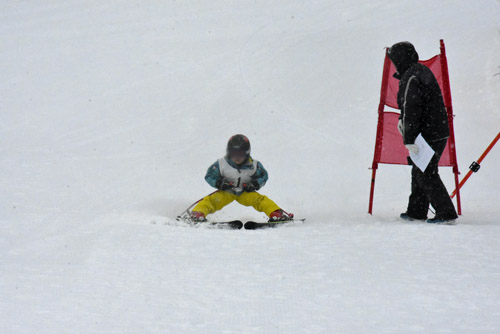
<point x="251" y="187"/>
<point x="224" y="185"/>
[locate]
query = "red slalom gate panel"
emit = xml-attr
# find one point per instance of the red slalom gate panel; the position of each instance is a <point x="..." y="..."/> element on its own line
<point x="389" y="147"/>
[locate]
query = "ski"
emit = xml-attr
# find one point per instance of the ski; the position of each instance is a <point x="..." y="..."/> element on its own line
<point x="230" y="225"/>
<point x="238" y="224"/>
<point x="226" y="225"/>
<point x="251" y="225"/>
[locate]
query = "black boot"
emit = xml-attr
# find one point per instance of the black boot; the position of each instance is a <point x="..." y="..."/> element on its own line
<point x="407" y="217"/>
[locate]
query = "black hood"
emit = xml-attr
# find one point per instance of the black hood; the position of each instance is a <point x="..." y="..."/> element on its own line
<point x="403" y="55"/>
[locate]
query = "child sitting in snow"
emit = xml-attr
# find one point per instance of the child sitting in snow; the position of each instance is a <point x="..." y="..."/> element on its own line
<point x="238" y="177"/>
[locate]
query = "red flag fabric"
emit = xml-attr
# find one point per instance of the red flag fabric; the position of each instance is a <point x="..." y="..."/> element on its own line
<point x="393" y="84"/>
<point x="392" y="150"/>
<point x="392" y="147"/>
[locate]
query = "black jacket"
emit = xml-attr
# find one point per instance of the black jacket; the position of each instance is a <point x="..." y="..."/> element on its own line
<point x="422" y="106"/>
<point x="419" y="97"/>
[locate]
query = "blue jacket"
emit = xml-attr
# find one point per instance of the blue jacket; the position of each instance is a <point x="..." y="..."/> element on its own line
<point x="213" y="176"/>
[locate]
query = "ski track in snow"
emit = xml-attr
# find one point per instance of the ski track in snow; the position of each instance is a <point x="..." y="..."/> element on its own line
<point x="112" y="113"/>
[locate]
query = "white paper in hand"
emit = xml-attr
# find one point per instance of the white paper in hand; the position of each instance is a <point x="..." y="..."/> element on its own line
<point x="425" y="153"/>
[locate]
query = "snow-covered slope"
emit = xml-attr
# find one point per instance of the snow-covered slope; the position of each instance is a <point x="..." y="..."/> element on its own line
<point x="112" y="111"/>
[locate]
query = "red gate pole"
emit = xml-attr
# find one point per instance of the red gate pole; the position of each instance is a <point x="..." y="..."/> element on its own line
<point x="380" y="127"/>
<point x="477" y="163"/>
<point x="449" y="109"/>
<point x="372" y="190"/>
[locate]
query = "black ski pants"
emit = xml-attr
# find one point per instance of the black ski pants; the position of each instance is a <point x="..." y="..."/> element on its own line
<point x="428" y="188"/>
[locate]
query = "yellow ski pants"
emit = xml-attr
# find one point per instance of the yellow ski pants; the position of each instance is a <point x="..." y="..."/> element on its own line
<point x="220" y="199"/>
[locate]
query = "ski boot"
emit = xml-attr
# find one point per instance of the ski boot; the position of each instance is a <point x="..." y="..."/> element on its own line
<point x="197" y="217"/>
<point x="279" y="216"/>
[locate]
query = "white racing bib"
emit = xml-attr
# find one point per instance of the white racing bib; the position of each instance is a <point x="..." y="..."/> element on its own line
<point x="237" y="176"/>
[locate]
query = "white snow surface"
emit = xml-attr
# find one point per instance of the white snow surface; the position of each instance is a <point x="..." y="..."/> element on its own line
<point x="113" y="110"/>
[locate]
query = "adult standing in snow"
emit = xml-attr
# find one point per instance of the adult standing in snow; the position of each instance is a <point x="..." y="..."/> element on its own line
<point x="422" y="112"/>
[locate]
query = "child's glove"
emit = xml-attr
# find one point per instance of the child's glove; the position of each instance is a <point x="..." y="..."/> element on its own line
<point x="224" y="185"/>
<point x="251" y="187"/>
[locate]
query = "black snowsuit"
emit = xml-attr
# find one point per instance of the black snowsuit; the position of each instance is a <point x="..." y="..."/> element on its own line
<point x="422" y="111"/>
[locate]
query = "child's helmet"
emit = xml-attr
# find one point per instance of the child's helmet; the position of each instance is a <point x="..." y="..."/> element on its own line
<point x="238" y="145"/>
